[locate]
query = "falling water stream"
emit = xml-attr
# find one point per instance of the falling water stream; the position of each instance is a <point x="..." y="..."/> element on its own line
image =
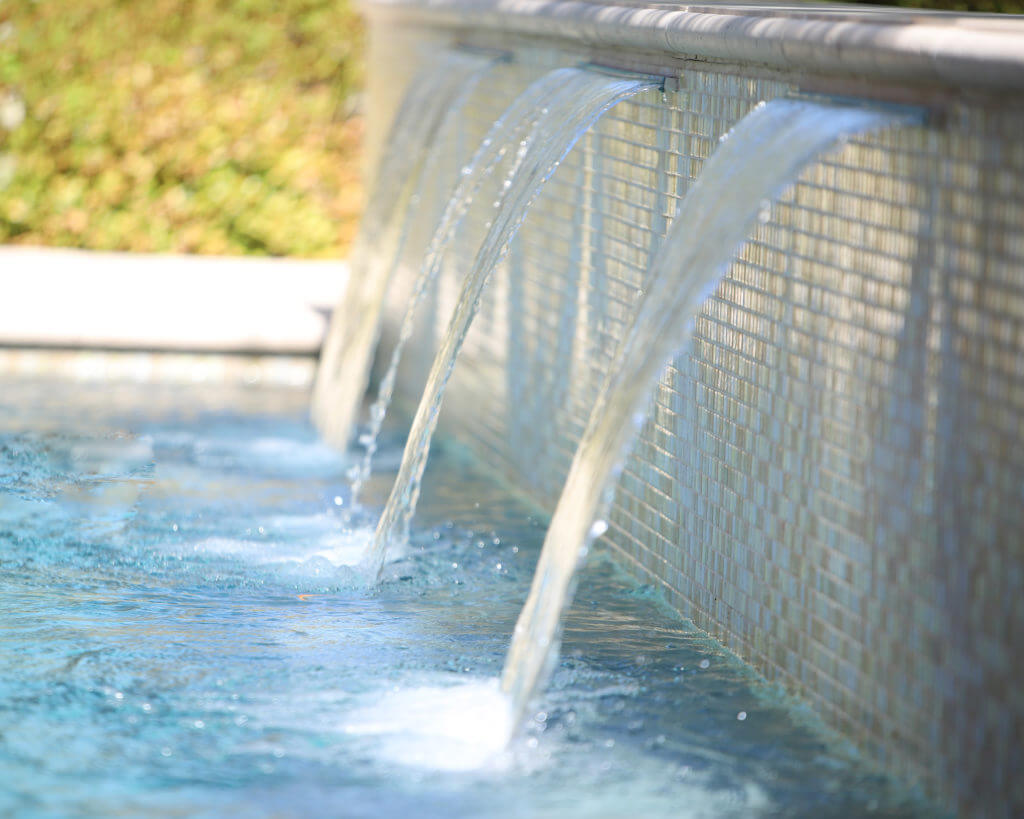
<point x="578" y="97"/>
<point x="513" y="133"/>
<point x="763" y="154"/>
<point x="434" y="96"/>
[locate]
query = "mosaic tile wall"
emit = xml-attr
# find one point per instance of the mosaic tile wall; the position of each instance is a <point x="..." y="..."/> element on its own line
<point x="831" y="481"/>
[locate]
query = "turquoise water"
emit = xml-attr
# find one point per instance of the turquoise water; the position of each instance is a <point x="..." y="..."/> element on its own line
<point x="179" y="637"/>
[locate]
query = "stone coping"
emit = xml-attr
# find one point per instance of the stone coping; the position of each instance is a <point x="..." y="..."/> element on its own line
<point x="897" y="46"/>
<point x="73" y="299"/>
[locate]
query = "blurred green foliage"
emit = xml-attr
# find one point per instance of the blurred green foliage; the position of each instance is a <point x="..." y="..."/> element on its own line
<point x="207" y="126"/>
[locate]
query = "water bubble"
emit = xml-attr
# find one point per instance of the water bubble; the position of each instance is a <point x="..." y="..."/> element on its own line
<point x="166" y="752"/>
<point x="497" y="566"/>
<point x="742" y="715"/>
<point x="724" y="137"/>
<point x="199" y="724"/>
<point x="598" y="528"/>
<point x="146" y="707"/>
<point x="466" y="170"/>
<point x="174" y="527"/>
<point x="540" y="716"/>
<point x="337" y="500"/>
<point x="261" y="530"/>
<point x="118" y="696"/>
<point x="704" y="663"/>
<point x="764" y="212"/>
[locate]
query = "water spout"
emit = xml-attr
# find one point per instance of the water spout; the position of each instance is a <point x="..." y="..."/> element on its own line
<point x="577" y="99"/>
<point x="763" y="154"/>
<point x="514" y="129"/>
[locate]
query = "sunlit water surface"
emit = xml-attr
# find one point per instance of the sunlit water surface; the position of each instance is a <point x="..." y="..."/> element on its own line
<point x="180" y="636"/>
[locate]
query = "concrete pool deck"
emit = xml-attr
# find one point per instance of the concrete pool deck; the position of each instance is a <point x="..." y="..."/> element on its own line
<point x="60" y="299"/>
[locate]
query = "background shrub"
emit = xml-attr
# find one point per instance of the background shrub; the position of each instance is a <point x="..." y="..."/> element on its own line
<point x="203" y="126"/>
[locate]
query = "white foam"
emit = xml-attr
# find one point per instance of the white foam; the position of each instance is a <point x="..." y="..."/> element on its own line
<point x="323" y="552"/>
<point x="461" y="727"/>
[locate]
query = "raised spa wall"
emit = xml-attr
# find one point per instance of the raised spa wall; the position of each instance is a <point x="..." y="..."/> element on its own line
<point x="832" y="480"/>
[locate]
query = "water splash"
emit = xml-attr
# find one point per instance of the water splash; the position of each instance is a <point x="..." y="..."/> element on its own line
<point x="434" y="96"/>
<point x="761" y="156"/>
<point x="578" y="99"/>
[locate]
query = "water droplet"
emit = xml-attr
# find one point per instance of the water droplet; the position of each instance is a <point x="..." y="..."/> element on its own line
<point x="598" y="528"/>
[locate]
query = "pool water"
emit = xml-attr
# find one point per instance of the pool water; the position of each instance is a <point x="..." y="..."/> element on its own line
<point x="180" y="636"/>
